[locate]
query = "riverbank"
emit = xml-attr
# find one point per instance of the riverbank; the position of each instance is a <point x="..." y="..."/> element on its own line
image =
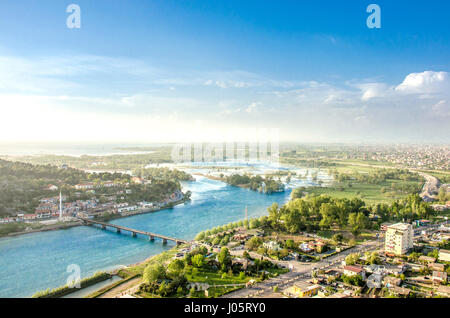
<point x="130" y="274"/>
<point x="44" y="228"/>
<point x="109" y="217"/>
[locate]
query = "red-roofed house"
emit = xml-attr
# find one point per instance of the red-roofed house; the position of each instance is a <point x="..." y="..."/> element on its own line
<point x="352" y="270"/>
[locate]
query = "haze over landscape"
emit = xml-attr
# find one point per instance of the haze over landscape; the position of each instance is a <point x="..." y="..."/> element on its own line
<point x="167" y="71"/>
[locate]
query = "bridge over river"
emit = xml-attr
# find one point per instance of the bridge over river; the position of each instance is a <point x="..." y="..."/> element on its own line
<point x="134" y="232"/>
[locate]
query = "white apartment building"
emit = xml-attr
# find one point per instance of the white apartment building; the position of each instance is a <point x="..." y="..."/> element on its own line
<point x="399" y="239"/>
<point x="444" y="255"/>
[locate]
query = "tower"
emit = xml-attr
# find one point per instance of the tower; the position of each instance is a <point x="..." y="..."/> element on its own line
<point x="246" y="213"/>
<point x="60" y="205"/>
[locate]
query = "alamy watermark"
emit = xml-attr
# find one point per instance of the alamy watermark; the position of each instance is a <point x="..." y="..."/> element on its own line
<point x="74" y="19"/>
<point x="374" y="19"/>
<point x="260" y="145"/>
<point x="74" y="279"/>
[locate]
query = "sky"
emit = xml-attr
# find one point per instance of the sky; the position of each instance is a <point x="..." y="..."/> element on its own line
<point x="171" y="71"/>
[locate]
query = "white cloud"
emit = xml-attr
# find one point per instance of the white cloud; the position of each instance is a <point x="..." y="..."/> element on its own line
<point x="374" y="90"/>
<point x="81" y="97"/>
<point x="252" y="107"/>
<point x="425" y="82"/>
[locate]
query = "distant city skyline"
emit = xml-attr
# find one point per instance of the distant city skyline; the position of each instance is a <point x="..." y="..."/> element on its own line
<point x="168" y="71"/>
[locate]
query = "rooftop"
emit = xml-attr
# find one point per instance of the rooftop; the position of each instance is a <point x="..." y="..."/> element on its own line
<point x="353" y="268"/>
<point x="400" y="226"/>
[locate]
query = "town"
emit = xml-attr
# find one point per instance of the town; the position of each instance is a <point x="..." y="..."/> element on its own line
<point x="63" y="203"/>
<point x="262" y="258"/>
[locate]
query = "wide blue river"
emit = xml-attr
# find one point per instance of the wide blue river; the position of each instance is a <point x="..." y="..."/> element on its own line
<point x="37" y="261"/>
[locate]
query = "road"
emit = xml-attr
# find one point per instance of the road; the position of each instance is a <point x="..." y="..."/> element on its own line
<point x="301" y="271"/>
<point x="431" y="186"/>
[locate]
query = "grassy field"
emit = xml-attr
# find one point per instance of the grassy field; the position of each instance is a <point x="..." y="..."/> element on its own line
<point x="370" y="193"/>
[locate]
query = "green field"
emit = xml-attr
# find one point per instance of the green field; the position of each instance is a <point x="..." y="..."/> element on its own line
<point x="370" y="193"/>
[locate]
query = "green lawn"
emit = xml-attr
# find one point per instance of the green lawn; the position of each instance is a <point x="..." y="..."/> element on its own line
<point x="215" y="278"/>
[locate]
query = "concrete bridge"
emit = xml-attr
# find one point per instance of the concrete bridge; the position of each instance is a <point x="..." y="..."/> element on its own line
<point x="134" y="232"/>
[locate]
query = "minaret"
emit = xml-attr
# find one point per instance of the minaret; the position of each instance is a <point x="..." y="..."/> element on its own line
<point x="60" y="205"/>
<point x="246" y="214"/>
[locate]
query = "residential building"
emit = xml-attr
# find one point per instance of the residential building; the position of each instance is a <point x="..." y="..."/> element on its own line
<point x="439" y="277"/>
<point x="384" y="226"/>
<point x="127" y="209"/>
<point x="352" y="270"/>
<point x="332" y="274"/>
<point x="437" y="267"/>
<point x="28" y="217"/>
<point x="426" y="259"/>
<point x="272" y="245"/>
<point x="137" y="180"/>
<point x="400" y="291"/>
<point x="399" y="239"/>
<point x="302" y="289"/>
<point x="444" y="255"/>
<point x="84" y="186"/>
<point x="52" y="187"/>
<point x="390" y="281"/>
<point x="374" y="281"/>
<point x="108" y="184"/>
<point x="305" y="247"/>
<point x="443" y="291"/>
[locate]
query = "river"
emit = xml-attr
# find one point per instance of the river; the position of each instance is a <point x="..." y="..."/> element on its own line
<point x="38" y="261"/>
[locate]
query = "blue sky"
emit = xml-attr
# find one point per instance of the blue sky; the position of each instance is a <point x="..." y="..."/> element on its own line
<point x="190" y="69"/>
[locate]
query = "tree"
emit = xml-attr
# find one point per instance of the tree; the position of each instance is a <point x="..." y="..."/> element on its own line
<point x="337" y="238"/>
<point x="373" y="258"/>
<point x="216" y="241"/>
<point x="200" y="236"/>
<point x="290" y="244"/>
<point x="198" y="260"/>
<point x="329" y="214"/>
<point x="225" y="240"/>
<point x="442" y="194"/>
<point x="297" y="193"/>
<point x="356" y="231"/>
<point x="275" y="215"/>
<point x="351" y="259"/>
<point x="224" y="258"/>
<point x="175" y="267"/>
<point x="253" y="243"/>
<point x="262" y="250"/>
<point x="254" y="223"/>
<point x="293" y="221"/>
<point x="153" y="273"/>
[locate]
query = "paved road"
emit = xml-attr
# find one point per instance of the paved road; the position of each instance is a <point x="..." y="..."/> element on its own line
<point x="301" y="271"/>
